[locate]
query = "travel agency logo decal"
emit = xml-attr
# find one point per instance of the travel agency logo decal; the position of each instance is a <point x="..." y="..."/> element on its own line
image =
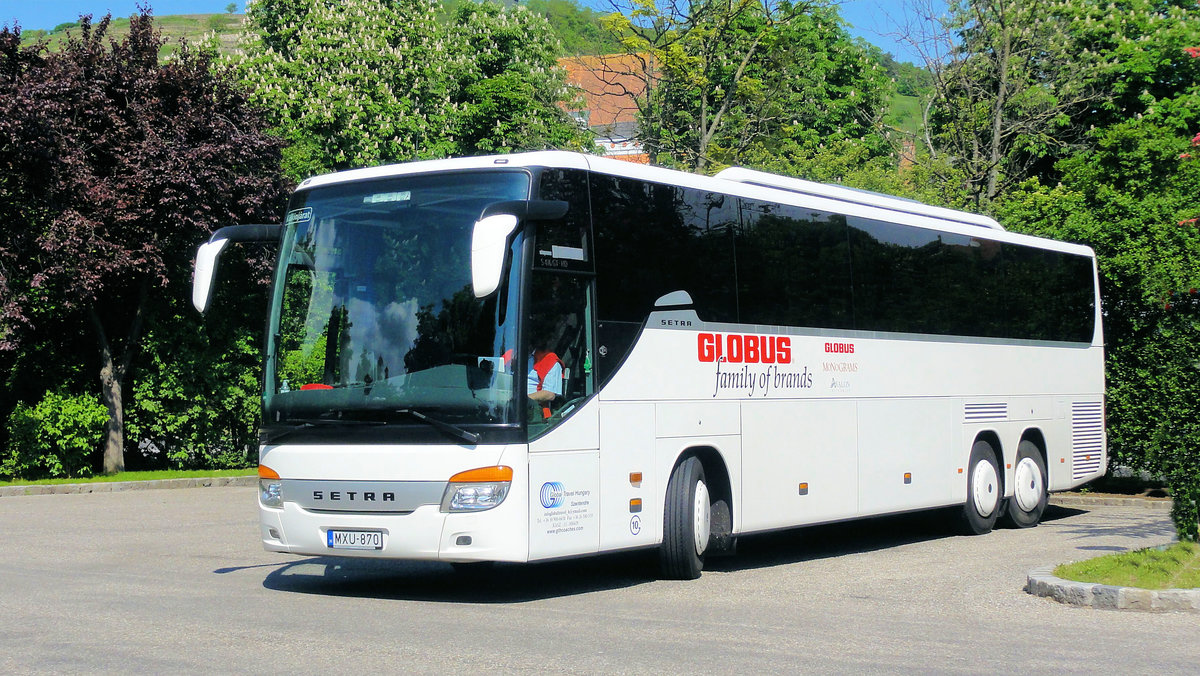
<point x="752" y="365"/>
<point x="553" y="494"/>
<point x="566" y="511"/>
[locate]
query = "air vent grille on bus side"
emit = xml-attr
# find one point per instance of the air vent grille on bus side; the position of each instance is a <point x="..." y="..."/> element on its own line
<point x="1087" y="437"/>
<point x="982" y="412"/>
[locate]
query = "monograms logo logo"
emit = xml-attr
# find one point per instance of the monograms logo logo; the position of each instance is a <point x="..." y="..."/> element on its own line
<point x="553" y="494"/>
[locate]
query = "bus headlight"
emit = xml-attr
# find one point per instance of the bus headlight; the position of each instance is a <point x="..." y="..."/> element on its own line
<point x="270" y="488"/>
<point x="477" y="490"/>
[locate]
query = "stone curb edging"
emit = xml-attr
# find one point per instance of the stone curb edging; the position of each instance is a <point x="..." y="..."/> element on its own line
<point x="1042" y="582"/>
<point x="1076" y="500"/>
<point x="118" y="486"/>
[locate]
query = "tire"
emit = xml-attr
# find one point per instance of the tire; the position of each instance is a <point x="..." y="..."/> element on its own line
<point x="687" y="522"/>
<point x="1030" y="488"/>
<point x="984" y="495"/>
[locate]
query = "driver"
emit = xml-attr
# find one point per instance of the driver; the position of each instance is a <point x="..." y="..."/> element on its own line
<point x="545" y="375"/>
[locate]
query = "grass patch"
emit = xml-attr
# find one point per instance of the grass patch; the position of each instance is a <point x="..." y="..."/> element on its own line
<point x="138" y="476"/>
<point x="904" y="113"/>
<point x="1177" y="567"/>
<point x="191" y="27"/>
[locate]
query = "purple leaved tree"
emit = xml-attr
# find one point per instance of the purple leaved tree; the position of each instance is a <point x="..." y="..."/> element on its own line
<point x="114" y="164"/>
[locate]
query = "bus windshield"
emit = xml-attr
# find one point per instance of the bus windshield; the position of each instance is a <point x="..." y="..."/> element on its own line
<point x="373" y="317"/>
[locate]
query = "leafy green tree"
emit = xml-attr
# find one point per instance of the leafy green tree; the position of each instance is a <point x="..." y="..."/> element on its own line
<point x="112" y="166"/>
<point x="509" y="92"/>
<point x="1019" y="84"/>
<point x="738" y="81"/>
<point x="365" y="82"/>
<point x="1132" y="200"/>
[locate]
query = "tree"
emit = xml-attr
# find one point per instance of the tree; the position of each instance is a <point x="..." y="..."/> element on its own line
<point x="1131" y="199"/>
<point x="366" y="82"/>
<point x="113" y="165"/>
<point x="722" y="80"/>
<point x="1019" y="84"/>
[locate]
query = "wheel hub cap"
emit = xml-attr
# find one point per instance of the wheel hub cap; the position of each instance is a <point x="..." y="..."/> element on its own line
<point x="702" y="511"/>
<point x="1029" y="487"/>
<point x="985" y="488"/>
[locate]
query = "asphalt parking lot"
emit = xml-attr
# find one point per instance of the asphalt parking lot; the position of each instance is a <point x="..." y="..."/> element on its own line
<point x="175" y="580"/>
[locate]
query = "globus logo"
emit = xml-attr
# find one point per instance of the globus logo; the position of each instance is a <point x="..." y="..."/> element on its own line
<point x="553" y="495"/>
<point x="839" y="348"/>
<point x="735" y="348"/>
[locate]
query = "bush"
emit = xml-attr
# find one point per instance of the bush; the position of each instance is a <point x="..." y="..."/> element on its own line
<point x="56" y="438"/>
<point x="196" y="402"/>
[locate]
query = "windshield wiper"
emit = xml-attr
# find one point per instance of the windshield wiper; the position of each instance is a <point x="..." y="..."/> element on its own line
<point x="309" y="423"/>
<point x="442" y="426"/>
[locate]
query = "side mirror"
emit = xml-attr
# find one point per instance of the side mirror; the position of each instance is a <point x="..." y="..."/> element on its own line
<point x="209" y="253"/>
<point x="205" y="273"/>
<point x="489" y="242"/>
<point x="489" y="238"/>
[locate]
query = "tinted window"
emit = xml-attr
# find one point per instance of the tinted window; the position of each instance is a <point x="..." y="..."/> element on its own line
<point x="1049" y="295"/>
<point x="652" y="239"/>
<point x="912" y="280"/>
<point x="793" y="267"/>
<point x="565" y="243"/>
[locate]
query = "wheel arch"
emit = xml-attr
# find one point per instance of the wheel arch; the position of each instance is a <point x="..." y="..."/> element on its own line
<point x="1037" y="438"/>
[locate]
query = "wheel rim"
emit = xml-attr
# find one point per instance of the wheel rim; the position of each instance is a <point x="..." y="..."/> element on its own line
<point x="1029" y="486"/>
<point x="702" y="513"/>
<point x="984" y="487"/>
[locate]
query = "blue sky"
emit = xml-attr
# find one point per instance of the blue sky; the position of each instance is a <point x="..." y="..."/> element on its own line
<point x="871" y="19"/>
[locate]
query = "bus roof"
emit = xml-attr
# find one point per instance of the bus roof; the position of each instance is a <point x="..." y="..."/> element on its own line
<point x="746" y="183"/>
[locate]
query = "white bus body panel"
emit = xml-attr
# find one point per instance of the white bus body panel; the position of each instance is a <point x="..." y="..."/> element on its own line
<point x="837" y="435"/>
<point x="497" y="534"/>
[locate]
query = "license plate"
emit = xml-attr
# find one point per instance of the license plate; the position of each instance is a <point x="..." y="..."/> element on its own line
<point x="354" y="539"/>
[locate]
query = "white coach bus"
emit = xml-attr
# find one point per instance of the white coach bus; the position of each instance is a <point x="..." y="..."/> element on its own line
<point x="550" y="355"/>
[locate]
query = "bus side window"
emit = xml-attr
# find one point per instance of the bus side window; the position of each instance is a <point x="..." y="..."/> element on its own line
<point x="559" y="336"/>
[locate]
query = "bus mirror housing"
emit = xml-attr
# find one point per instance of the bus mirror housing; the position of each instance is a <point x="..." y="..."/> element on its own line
<point x="489" y="242"/>
<point x="490" y="237"/>
<point x="205" y="273"/>
<point x="209" y="254"/>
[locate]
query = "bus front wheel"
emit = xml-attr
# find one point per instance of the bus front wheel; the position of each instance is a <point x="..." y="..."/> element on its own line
<point x="687" y="522"/>
<point x="983" y="490"/>
<point x="1030" y="496"/>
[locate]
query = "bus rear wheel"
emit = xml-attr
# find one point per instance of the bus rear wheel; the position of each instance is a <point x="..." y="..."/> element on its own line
<point x="1030" y="495"/>
<point x="983" y="491"/>
<point x="687" y="522"/>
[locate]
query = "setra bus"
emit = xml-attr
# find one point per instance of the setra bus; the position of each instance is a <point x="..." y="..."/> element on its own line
<point x="547" y="355"/>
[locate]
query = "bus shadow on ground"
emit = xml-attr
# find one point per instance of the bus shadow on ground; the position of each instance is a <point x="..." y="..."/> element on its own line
<point x="519" y="583"/>
<point x="824" y="541"/>
<point x="1149" y="527"/>
<point x="858" y="536"/>
<point x="473" y="583"/>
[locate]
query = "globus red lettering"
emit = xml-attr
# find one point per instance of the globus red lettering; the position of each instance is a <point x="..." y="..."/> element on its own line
<point x="736" y="348"/>
<point x="752" y="354"/>
<point x="734" y="352"/>
<point x="706" y="347"/>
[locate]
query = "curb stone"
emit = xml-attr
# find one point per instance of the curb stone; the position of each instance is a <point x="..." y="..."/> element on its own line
<point x="1078" y="500"/>
<point x="1042" y="582"/>
<point x="118" y="486"/>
